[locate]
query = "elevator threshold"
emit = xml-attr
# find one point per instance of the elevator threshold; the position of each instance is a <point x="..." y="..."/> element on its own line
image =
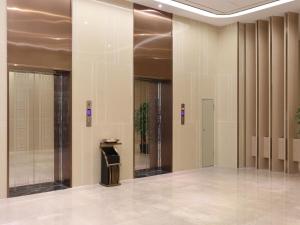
<point x="149" y="172"/>
<point x="35" y="189"/>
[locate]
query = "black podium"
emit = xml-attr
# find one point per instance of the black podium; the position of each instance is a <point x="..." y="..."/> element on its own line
<point x="110" y="164"/>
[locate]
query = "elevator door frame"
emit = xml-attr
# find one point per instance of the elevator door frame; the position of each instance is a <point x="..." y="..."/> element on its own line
<point x="25" y="69"/>
<point x="161" y="81"/>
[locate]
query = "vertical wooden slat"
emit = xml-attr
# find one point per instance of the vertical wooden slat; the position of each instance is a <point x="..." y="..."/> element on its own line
<point x="292" y="86"/>
<point x="263" y="93"/>
<point x="277" y="89"/>
<point x="241" y="95"/>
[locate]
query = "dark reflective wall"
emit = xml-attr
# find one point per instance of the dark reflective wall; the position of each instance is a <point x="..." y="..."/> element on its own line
<point x="39" y="34"/>
<point x="152" y="43"/>
<point x="153" y="59"/>
<point x="62" y="128"/>
<point x="39" y="39"/>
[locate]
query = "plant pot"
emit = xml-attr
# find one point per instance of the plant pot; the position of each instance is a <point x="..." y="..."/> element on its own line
<point x="253" y="146"/>
<point x="281" y="148"/>
<point x="267" y="147"/>
<point x="296" y="150"/>
<point x="144" y="148"/>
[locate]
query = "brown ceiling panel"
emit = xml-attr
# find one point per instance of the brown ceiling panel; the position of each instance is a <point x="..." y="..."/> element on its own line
<point x="152" y="43"/>
<point x="39" y="34"/>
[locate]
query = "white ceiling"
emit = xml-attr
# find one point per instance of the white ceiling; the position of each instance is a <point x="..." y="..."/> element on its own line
<point x="226" y="7"/>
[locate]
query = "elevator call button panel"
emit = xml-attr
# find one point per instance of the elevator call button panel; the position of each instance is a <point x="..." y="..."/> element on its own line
<point x="182" y="114"/>
<point x="89" y="113"/>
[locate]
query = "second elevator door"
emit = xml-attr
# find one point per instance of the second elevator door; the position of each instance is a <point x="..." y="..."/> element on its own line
<point x="147" y="127"/>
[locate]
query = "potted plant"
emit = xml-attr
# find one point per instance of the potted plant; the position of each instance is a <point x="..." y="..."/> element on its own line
<point x="142" y="126"/>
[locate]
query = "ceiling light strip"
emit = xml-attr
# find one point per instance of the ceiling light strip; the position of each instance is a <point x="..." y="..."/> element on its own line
<point x="213" y="15"/>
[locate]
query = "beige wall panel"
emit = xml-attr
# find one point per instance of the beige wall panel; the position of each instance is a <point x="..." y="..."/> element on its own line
<point x="277" y="81"/>
<point x="263" y="89"/>
<point x="226" y="97"/>
<point x="103" y="73"/>
<point x="241" y="96"/>
<point x="292" y="85"/>
<point x="250" y="93"/>
<point x="3" y="102"/>
<point x="194" y="50"/>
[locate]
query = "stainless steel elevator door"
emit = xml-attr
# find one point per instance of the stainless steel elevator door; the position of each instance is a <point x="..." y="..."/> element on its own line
<point x="31" y="128"/>
<point x="207" y="132"/>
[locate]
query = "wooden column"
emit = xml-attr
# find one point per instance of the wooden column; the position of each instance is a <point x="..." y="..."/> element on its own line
<point x="250" y="95"/>
<point x="241" y="95"/>
<point x="262" y="70"/>
<point x="292" y="86"/>
<point x="277" y="91"/>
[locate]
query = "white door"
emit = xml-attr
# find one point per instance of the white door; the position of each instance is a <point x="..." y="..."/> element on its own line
<point x="207" y="132"/>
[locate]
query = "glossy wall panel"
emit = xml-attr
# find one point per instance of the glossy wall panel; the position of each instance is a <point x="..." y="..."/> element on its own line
<point x="153" y="48"/>
<point x="166" y="127"/>
<point x="152" y="43"/>
<point x="39" y="34"/>
<point x="3" y="102"/>
<point x="102" y="73"/>
<point x="62" y="128"/>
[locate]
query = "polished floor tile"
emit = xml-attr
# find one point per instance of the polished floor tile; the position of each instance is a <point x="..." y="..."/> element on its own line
<point x="211" y="196"/>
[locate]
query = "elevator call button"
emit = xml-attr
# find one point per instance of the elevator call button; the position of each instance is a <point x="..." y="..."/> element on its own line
<point x="89" y="113"/>
<point x="182" y="114"/>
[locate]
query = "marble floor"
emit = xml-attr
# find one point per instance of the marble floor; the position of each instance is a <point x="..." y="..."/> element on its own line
<point x="210" y="196"/>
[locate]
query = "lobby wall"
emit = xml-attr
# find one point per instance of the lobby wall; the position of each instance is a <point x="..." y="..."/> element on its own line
<point x="102" y="73"/>
<point x="204" y="67"/>
<point x="226" y="95"/>
<point x="194" y="78"/>
<point x="3" y="102"/>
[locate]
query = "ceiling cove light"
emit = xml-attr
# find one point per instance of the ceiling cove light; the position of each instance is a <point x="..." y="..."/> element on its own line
<point x="213" y="15"/>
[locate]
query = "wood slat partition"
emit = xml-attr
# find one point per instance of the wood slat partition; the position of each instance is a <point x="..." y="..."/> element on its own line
<point x="250" y="92"/>
<point x="277" y="89"/>
<point x="269" y="94"/>
<point x="292" y="86"/>
<point x="262" y="35"/>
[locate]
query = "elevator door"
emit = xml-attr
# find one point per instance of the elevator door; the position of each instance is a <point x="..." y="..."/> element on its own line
<point x="31" y="125"/>
<point x="37" y="114"/>
<point x="147" y="127"/>
<point x="207" y="132"/>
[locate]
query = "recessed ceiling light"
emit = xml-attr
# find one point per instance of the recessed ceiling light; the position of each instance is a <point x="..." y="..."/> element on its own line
<point x="160" y="6"/>
<point x="213" y="15"/>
